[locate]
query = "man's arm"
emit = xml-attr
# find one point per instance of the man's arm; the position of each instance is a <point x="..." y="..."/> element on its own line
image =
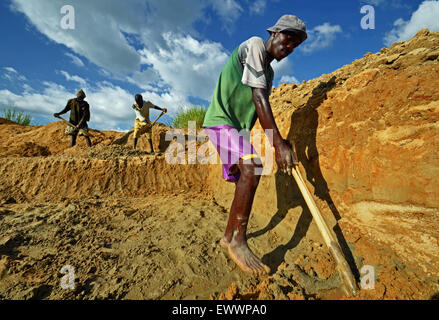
<point x="66" y="109"/>
<point x="161" y="109"/>
<point x="285" y="156"/>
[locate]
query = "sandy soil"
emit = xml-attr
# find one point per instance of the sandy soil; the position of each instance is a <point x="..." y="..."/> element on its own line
<point x="144" y="248"/>
<point x="166" y="246"/>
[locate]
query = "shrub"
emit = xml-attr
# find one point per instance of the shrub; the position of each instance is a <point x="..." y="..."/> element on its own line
<point x="193" y="113"/>
<point x="17" y="116"/>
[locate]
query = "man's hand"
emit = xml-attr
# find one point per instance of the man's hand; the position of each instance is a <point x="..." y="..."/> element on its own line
<point x="147" y="123"/>
<point x="165" y="110"/>
<point x="286" y="158"/>
<point x="56" y="115"/>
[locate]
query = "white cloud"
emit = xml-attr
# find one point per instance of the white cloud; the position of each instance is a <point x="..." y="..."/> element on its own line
<point x="10" y="70"/>
<point x="11" y="74"/>
<point x="27" y="88"/>
<point x="191" y="68"/>
<point x="283" y="71"/>
<point x="170" y="100"/>
<point x="145" y="79"/>
<point x="320" y="37"/>
<point x="75" y="60"/>
<point x="229" y="11"/>
<point x="426" y="16"/>
<point x="52" y="98"/>
<point x="258" y="7"/>
<point x="288" y="79"/>
<point x="77" y="79"/>
<point x="282" y="67"/>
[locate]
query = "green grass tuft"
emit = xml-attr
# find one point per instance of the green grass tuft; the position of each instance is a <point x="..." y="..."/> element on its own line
<point x="192" y="113"/>
<point x="17" y="116"/>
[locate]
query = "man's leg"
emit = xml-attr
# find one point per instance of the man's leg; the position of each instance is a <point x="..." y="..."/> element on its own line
<point x="150" y="145"/>
<point x="137" y="132"/>
<point x="73" y="141"/>
<point x="235" y="238"/>
<point x="87" y="139"/>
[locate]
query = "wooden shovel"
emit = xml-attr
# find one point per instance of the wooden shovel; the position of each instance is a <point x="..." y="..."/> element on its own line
<point x="331" y="241"/>
<point x="153" y="123"/>
<point x="67" y="122"/>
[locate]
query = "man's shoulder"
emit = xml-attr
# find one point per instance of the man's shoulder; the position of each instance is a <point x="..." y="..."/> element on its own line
<point x="148" y="104"/>
<point x="254" y="42"/>
<point x="254" y="46"/>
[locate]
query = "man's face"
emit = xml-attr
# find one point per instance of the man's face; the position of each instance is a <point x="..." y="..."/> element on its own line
<point x="283" y="45"/>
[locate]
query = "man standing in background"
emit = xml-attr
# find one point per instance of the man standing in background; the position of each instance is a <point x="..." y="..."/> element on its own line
<point x="142" y="124"/>
<point x="79" y="115"/>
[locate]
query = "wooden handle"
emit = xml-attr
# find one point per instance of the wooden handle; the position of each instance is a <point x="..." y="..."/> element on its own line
<point x="331" y="241"/>
<point x="68" y="123"/>
<point x="153" y="123"/>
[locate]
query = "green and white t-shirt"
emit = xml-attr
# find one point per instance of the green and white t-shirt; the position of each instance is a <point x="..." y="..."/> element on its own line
<point x="252" y="56"/>
<point x="232" y="102"/>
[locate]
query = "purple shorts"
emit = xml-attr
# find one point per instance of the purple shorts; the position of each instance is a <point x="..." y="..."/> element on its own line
<point x="231" y="147"/>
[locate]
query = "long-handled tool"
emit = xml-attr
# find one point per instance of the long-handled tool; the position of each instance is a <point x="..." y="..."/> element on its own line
<point x="153" y="123"/>
<point x="67" y="122"/>
<point x="342" y="266"/>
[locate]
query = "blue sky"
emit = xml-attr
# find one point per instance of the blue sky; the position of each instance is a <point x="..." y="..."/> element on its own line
<point x="172" y="51"/>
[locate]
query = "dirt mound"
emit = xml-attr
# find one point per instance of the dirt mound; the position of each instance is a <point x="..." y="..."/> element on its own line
<point x="115" y="151"/>
<point x="50" y="139"/>
<point x="104" y="152"/>
<point x="6" y="121"/>
<point x="42" y="141"/>
<point x="27" y="149"/>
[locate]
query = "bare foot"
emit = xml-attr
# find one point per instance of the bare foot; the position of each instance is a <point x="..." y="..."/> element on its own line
<point x="244" y="257"/>
<point x="224" y="243"/>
